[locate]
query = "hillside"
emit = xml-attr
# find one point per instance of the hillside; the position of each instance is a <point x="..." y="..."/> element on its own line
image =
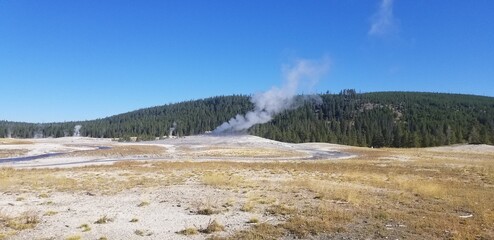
<point x="397" y="119"/>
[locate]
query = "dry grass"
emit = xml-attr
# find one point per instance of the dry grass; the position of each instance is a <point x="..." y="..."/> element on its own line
<point x="211" y="227"/>
<point x="143" y="233"/>
<point x="383" y="193"/>
<point x="26" y="220"/>
<point x="143" y="204"/>
<point x="85" y="227"/>
<point x="7" y="153"/>
<point x="103" y="220"/>
<point x="123" y="151"/>
<point x="73" y="237"/>
<point x="189" y="231"/>
<point x="50" y="213"/>
<point x="253" y="220"/>
<point x="222" y="180"/>
<point x="245" y="153"/>
<point x="259" y="232"/>
<point x="14" y="141"/>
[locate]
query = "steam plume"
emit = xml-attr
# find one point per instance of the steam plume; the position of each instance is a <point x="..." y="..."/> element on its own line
<point x="9" y="132"/>
<point x="276" y="100"/>
<point x="174" y="126"/>
<point x="77" y="130"/>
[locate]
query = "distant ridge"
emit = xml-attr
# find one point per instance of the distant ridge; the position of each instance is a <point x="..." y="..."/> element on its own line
<point x="393" y="119"/>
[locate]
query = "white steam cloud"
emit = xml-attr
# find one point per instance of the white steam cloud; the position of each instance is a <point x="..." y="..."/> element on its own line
<point x="9" y="132"/>
<point x="172" y="129"/>
<point x="77" y="130"/>
<point x="383" y="21"/>
<point x="276" y="100"/>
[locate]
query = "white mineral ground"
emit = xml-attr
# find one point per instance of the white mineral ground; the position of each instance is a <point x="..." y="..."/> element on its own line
<point x="191" y="148"/>
<point x="170" y="207"/>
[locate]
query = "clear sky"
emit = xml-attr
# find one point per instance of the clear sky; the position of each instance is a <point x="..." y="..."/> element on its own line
<point x="84" y="59"/>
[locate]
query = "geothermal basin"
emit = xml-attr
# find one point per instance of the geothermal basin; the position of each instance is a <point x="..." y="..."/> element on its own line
<point x="81" y="151"/>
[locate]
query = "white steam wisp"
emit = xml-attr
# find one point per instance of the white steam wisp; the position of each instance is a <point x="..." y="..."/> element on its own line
<point x="172" y="129"/>
<point x="77" y="130"/>
<point x="276" y="100"/>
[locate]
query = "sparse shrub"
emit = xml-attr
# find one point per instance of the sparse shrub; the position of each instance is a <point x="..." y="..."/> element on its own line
<point x="280" y="209"/>
<point x="43" y="195"/>
<point x="26" y="221"/>
<point x="20" y="199"/>
<point x="50" y="213"/>
<point x="134" y="220"/>
<point x="143" y="204"/>
<point x="74" y="237"/>
<point x="206" y="211"/>
<point x="247" y="207"/>
<point x="139" y="232"/>
<point x="229" y="203"/>
<point x="260" y="231"/>
<point x="301" y="226"/>
<point x="142" y="233"/>
<point x="85" y="227"/>
<point x="189" y="231"/>
<point x="103" y="238"/>
<point x="47" y="203"/>
<point x="213" y="226"/>
<point x="381" y="215"/>
<point x="222" y="180"/>
<point x="3" y="236"/>
<point x="253" y="220"/>
<point x="103" y="220"/>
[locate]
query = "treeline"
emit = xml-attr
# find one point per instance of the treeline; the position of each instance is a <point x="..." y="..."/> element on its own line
<point x="191" y="117"/>
<point x="393" y="119"/>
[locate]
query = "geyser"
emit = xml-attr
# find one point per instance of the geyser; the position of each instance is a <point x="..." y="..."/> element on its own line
<point x="172" y="129"/>
<point x="268" y="104"/>
<point x="77" y="130"/>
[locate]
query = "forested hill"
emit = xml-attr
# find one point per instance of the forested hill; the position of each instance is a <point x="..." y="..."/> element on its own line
<point x="397" y="119"/>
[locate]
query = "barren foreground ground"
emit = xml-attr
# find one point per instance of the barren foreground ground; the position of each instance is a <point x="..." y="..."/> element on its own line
<point x="243" y="187"/>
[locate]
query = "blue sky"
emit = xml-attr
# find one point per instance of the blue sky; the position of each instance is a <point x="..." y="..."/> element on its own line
<point x="86" y="59"/>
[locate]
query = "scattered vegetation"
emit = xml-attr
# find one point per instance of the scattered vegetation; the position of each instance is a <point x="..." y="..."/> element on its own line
<point x="248" y="206"/>
<point x="213" y="226"/>
<point x="222" y="180"/>
<point x="103" y="220"/>
<point x="26" y="220"/>
<point x="44" y="195"/>
<point x="206" y="211"/>
<point x="143" y="204"/>
<point x="50" y="213"/>
<point x="435" y="193"/>
<point x="134" y="220"/>
<point x="85" y="227"/>
<point x="259" y="231"/>
<point x="189" y="231"/>
<point x="143" y="233"/>
<point x="73" y="237"/>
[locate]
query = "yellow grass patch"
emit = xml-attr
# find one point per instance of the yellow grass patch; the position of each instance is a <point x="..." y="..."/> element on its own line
<point x="394" y="193"/>
<point x="14" y="141"/>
